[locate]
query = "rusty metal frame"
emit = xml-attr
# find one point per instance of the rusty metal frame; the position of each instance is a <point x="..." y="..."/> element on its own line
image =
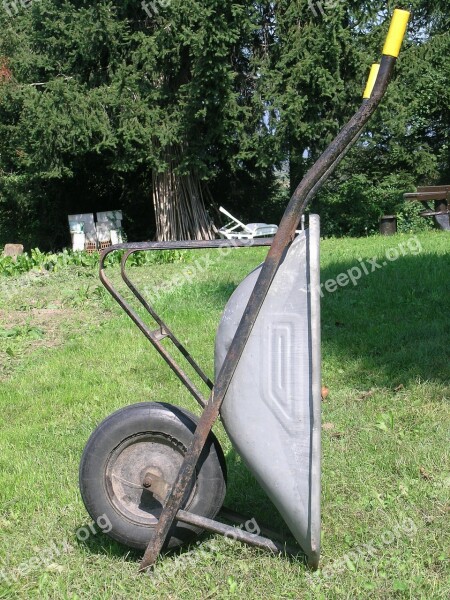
<point x="308" y="187"/>
<point x="155" y="337"/>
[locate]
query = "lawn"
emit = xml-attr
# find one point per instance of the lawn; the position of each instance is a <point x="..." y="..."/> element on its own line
<point x="69" y="357"/>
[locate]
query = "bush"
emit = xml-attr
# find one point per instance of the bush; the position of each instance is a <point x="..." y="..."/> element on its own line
<point x="409" y="219"/>
<point x="354" y="206"/>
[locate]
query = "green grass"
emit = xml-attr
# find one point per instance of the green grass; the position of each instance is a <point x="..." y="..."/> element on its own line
<point x="69" y="357"/>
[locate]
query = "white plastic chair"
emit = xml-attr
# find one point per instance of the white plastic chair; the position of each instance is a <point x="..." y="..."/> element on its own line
<point x="235" y="230"/>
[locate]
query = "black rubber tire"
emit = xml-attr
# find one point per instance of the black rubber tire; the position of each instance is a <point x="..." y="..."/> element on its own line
<point x="113" y="449"/>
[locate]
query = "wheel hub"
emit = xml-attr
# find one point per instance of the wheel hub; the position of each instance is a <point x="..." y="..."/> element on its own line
<point x="140" y="474"/>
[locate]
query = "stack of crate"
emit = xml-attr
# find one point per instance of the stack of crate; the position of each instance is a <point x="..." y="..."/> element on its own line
<point x="109" y="228"/>
<point x="92" y="236"/>
<point x="83" y="232"/>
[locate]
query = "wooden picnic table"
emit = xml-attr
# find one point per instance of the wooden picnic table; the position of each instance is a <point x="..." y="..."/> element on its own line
<point x="440" y="195"/>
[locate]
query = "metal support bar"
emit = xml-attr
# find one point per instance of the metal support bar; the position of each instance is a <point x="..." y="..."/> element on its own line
<point x="283" y="238"/>
<point x="235" y="533"/>
<point x="188" y="245"/>
<point x="152" y="338"/>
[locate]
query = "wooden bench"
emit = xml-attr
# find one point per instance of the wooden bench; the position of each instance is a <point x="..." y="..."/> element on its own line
<point x="440" y="195"/>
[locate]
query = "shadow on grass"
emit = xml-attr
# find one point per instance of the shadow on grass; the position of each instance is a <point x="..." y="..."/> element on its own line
<point x="101" y="544"/>
<point x="245" y="495"/>
<point x="393" y="326"/>
<point x="394" y="322"/>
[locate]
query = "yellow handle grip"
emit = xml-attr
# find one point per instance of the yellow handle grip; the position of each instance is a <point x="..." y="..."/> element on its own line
<point x="371" y="81"/>
<point x="396" y="33"/>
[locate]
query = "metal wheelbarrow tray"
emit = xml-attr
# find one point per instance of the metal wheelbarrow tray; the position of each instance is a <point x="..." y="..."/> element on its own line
<point x="157" y="471"/>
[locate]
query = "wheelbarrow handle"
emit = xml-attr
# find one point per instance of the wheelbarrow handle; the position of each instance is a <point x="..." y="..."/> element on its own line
<point x="373" y="76"/>
<point x="315" y="177"/>
<point x="396" y="34"/>
<point x="392" y="47"/>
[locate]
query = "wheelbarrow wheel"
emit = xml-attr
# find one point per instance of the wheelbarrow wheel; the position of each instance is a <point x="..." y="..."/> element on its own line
<point x="130" y="463"/>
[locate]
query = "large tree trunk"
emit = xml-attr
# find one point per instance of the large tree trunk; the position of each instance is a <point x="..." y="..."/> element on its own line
<point x="179" y="202"/>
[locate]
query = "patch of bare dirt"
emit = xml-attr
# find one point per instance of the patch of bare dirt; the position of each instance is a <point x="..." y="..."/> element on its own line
<point x="26" y="331"/>
<point x="48" y="320"/>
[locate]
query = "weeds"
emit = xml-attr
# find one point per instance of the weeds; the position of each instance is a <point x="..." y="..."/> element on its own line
<point x="38" y="260"/>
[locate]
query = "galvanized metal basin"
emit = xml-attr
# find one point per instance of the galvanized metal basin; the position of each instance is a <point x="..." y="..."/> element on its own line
<point x="272" y="408"/>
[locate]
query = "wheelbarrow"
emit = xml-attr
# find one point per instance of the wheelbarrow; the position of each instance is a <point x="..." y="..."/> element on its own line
<point x="157" y="471"/>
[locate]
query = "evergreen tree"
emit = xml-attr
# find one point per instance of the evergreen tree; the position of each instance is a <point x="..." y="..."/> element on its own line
<point x="126" y="89"/>
<point x="106" y="105"/>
